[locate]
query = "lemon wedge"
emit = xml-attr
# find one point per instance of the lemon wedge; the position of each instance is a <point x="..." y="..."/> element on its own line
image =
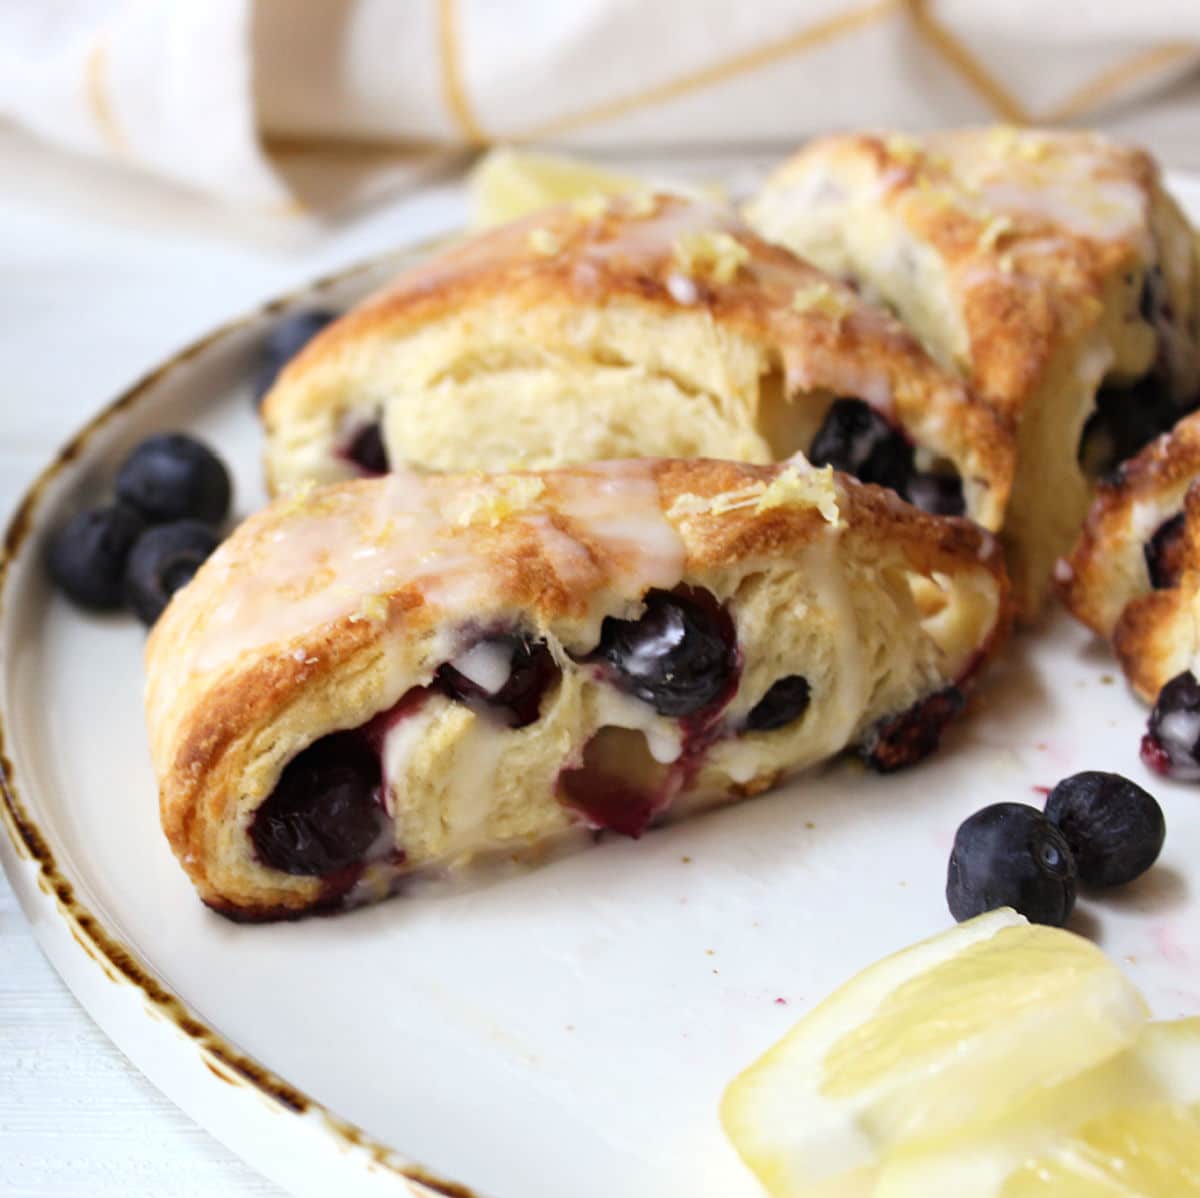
<point x="940" y="1037"/>
<point x="509" y="183"/>
<point x="1128" y="1127"/>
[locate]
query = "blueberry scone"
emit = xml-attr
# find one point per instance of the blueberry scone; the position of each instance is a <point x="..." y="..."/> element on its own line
<point x="1049" y="269"/>
<point x="1134" y="577"/>
<point x="395" y="676"/>
<point x="643" y="326"/>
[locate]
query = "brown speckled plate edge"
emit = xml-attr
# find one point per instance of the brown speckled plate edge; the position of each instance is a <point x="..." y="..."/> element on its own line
<point x="120" y="966"/>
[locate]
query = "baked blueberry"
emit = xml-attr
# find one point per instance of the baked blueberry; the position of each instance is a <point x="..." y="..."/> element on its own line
<point x="1115" y="828"/>
<point x="856" y="439"/>
<point x="1171" y="745"/>
<point x="1011" y="855"/>
<point x="938" y="494"/>
<point x="367" y="450"/>
<point x="325" y="811"/>
<point x="784" y="703"/>
<point x="904" y="739"/>
<point x="1164" y="553"/>
<point x="518" y="699"/>
<point x="164" y="559"/>
<point x="284" y="342"/>
<point x="175" y="477"/>
<point x="678" y="656"/>
<point x="1126" y="420"/>
<point x="88" y="554"/>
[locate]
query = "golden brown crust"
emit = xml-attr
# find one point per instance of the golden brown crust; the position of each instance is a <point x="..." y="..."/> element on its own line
<point x="1020" y="256"/>
<point x="1106" y="570"/>
<point x="930" y="184"/>
<point x="263" y="652"/>
<point x="1156" y="634"/>
<point x="630" y="256"/>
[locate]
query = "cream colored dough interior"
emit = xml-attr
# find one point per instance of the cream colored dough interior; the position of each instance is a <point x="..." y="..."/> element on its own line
<point x="496" y="388"/>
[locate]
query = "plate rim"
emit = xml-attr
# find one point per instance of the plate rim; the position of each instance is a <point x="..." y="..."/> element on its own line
<point x="42" y="888"/>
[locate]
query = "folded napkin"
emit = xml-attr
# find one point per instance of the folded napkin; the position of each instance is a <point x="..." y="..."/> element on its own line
<point x="259" y="102"/>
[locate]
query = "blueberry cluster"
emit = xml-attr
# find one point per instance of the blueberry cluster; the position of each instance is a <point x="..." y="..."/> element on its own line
<point x="1100" y="829"/>
<point x="172" y="494"/>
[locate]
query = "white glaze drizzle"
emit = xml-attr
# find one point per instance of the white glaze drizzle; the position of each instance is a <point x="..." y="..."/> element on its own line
<point x="336" y="554"/>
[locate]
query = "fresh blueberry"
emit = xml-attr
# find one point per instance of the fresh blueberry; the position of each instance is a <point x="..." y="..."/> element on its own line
<point x="785" y="702"/>
<point x="1011" y="855"/>
<point x="938" y="494"/>
<point x="1171" y="745"/>
<point x="1114" y="827"/>
<point x="284" y="342"/>
<point x="325" y="811"/>
<point x="367" y="450"/>
<point x="175" y="477"/>
<point x="88" y="555"/>
<point x="531" y="671"/>
<point x="905" y="739"/>
<point x="678" y="656"/>
<point x="856" y="439"/>
<point x="164" y="559"/>
<point x="1164" y="553"/>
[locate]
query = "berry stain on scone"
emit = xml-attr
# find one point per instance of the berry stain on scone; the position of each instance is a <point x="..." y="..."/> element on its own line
<point x="398" y="676"/>
<point x="1049" y="269"/>
<point x="638" y="326"/>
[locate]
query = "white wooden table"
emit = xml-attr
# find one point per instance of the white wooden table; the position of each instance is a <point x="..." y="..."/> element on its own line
<point x="98" y="281"/>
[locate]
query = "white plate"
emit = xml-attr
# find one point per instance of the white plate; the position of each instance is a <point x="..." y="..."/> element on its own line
<point x="567" y="1031"/>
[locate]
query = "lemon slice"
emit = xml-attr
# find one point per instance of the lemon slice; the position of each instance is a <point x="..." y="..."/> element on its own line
<point x="507" y="183"/>
<point x="942" y="1036"/>
<point x="1128" y="1127"/>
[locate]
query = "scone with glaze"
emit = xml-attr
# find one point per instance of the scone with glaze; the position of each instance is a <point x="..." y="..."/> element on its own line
<point x="396" y="676"/>
<point x="1050" y="269"/>
<point x="643" y="326"/>
<point x="1134" y="577"/>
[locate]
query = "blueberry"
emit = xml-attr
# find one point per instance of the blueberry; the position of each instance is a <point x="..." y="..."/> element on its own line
<point x="905" y="739"/>
<point x="1154" y="302"/>
<point x="1172" y="742"/>
<point x="325" y="812"/>
<point x="1011" y="855"/>
<point x="175" y="477"/>
<point x="1127" y="419"/>
<point x="678" y="656"/>
<point x="856" y="439"/>
<point x="785" y="701"/>
<point x="284" y="342"/>
<point x="164" y="559"/>
<point x="88" y="555"/>
<point x="1114" y="827"/>
<point x="367" y="450"/>
<point x="939" y="494"/>
<point x="532" y="670"/>
<point x="1164" y="553"/>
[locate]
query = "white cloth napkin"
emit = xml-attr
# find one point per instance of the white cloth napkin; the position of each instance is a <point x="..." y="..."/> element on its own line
<point x="271" y="103"/>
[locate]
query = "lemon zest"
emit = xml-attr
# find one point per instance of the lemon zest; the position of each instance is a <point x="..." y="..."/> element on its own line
<point x="711" y="253"/>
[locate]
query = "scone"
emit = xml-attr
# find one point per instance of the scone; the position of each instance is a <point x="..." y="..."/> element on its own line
<point x="395" y="676"/>
<point x="1050" y="269"/>
<point x="644" y="326"/>
<point x="1134" y="577"/>
<point x="1134" y="539"/>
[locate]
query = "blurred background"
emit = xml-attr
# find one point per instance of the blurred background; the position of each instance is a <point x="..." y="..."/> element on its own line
<point x="284" y="109"/>
<point x="166" y="164"/>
